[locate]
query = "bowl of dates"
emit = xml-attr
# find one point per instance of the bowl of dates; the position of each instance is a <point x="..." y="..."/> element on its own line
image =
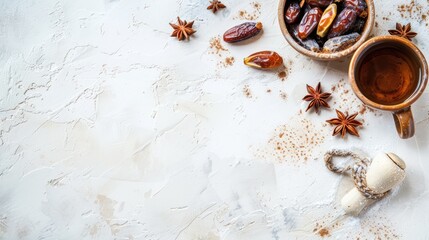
<point x="326" y="29"/>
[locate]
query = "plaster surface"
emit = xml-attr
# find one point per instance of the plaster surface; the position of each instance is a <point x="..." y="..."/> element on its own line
<point x="111" y="129"/>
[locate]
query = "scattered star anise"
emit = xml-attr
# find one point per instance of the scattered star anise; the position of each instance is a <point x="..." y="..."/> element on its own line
<point x="182" y="30"/>
<point x="215" y="5"/>
<point x="316" y="98"/>
<point x="403" y="31"/>
<point x="345" y="124"/>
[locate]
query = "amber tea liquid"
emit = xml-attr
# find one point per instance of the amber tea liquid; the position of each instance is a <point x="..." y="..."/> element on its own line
<point x="388" y="76"/>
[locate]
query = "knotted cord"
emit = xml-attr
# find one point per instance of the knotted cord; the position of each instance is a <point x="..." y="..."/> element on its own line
<point x="358" y="171"/>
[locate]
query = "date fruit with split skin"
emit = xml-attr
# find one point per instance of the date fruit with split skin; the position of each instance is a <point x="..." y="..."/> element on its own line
<point x="309" y="44"/>
<point x="309" y="22"/>
<point x="327" y="19"/>
<point x="343" y="23"/>
<point x="292" y="13"/>
<point x="264" y="60"/>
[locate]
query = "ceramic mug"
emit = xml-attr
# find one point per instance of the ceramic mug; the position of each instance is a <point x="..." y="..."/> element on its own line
<point x="369" y="82"/>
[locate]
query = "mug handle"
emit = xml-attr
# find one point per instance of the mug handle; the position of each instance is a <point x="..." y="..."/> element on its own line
<point x="404" y="122"/>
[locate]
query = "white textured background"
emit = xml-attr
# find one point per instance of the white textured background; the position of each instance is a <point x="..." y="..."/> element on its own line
<point x="110" y="129"/>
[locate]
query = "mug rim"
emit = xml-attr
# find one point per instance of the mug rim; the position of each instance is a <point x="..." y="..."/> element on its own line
<point x="421" y="59"/>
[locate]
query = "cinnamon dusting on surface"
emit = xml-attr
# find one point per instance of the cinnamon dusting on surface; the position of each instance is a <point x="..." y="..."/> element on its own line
<point x="257" y="5"/>
<point x="216" y="46"/>
<point x="375" y="227"/>
<point x="247" y="92"/>
<point x="247" y="15"/>
<point x="293" y="143"/>
<point x="282" y="75"/>
<point x="219" y="50"/>
<point x="415" y="10"/>
<point x="412" y="9"/>
<point x="229" y="61"/>
<point x="284" y="71"/>
<point x="362" y="110"/>
<point x="283" y="95"/>
<point x="346" y="100"/>
<point x="323" y="232"/>
<point x="326" y="225"/>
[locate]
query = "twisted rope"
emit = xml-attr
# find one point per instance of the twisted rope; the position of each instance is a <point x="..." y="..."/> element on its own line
<point x="358" y="170"/>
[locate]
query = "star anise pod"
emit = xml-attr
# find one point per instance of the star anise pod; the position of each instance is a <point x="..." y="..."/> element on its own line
<point x="215" y="5"/>
<point x="345" y="124"/>
<point x="403" y="31"/>
<point x="316" y="98"/>
<point x="182" y="30"/>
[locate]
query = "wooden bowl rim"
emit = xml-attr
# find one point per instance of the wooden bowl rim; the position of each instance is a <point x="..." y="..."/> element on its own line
<point x="327" y="56"/>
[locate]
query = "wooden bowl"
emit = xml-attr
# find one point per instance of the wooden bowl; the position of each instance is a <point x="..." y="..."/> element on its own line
<point x="327" y="56"/>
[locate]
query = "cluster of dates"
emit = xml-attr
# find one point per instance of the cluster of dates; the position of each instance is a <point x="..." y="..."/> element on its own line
<point x="260" y="60"/>
<point x="326" y="25"/>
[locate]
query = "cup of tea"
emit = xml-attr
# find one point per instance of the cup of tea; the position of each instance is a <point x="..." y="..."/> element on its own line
<point x="390" y="73"/>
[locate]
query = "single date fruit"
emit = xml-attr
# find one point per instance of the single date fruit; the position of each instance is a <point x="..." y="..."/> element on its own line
<point x="351" y="3"/>
<point x="359" y="5"/>
<point x="343" y="23"/>
<point x="309" y="44"/>
<point x="340" y="43"/>
<point x="319" y="3"/>
<point x="242" y="32"/>
<point x="264" y="60"/>
<point x="292" y="13"/>
<point x="309" y="22"/>
<point x="326" y="21"/>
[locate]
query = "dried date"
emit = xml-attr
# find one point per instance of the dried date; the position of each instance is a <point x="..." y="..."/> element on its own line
<point x="292" y="13"/>
<point x="309" y="22"/>
<point x="362" y="9"/>
<point x="309" y="44"/>
<point x="319" y="3"/>
<point x="242" y="32"/>
<point x="340" y="43"/>
<point x="334" y="20"/>
<point x="264" y="60"/>
<point x="327" y="19"/>
<point x="351" y="3"/>
<point x="343" y="23"/>
<point x="359" y="25"/>
<point x="359" y="5"/>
